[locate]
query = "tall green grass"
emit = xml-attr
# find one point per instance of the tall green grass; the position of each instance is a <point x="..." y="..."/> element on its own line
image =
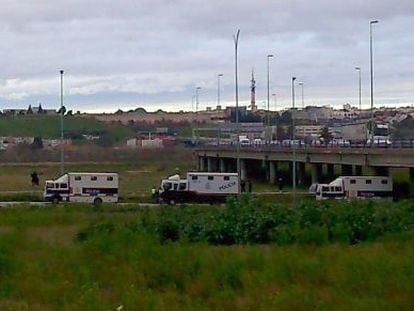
<point x="135" y="271"/>
<point x="77" y="257"/>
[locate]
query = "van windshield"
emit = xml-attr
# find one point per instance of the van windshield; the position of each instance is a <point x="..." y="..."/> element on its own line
<point x="166" y="186"/>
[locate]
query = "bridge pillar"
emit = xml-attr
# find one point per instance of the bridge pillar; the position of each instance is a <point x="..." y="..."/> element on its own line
<point x="358" y="170"/>
<point x="209" y="164"/>
<point x="272" y="172"/>
<point x="346" y="170"/>
<point x="330" y="171"/>
<point x="316" y="172"/>
<point x="381" y="171"/>
<point x="301" y="173"/>
<point x="411" y="182"/>
<point x="243" y="174"/>
<point x="222" y="165"/>
<point x="201" y="164"/>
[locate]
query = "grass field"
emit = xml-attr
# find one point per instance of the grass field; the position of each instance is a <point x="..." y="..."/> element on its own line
<point x="49" y="126"/>
<point x="47" y="263"/>
<point x="136" y="179"/>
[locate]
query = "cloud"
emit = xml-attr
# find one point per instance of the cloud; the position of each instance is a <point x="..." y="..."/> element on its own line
<point x="155" y="52"/>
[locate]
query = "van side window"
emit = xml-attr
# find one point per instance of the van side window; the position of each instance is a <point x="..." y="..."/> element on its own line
<point x="332" y="189"/>
<point x="182" y="186"/>
<point x="78" y="178"/>
<point x="338" y="189"/>
<point x="210" y="177"/>
<point x="325" y="189"/>
<point x="226" y="177"/>
<point x="368" y="181"/>
<point x="352" y="181"/>
<point x="194" y="177"/>
<point x="384" y="181"/>
<point x="63" y="186"/>
<point x="109" y="178"/>
<point x="94" y="178"/>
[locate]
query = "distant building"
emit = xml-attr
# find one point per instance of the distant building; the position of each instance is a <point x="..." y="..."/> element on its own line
<point x="353" y="132"/>
<point x="315" y="114"/>
<point x="30" y="110"/>
<point x="152" y="143"/>
<point x="303" y="131"/>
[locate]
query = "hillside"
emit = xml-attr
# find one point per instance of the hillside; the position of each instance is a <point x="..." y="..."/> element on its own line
<point x="49" y="127"/>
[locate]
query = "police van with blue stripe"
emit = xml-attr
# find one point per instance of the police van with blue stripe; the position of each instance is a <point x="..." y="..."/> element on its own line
<point x="347" y="187"/>
<point x="198" y="187"/>
<point x="93" y="188"/>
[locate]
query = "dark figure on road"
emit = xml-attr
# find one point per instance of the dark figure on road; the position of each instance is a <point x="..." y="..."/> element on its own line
<point x="280" y="183"/>
<point x="242" y="186"/>
<point x="34" y="178"/>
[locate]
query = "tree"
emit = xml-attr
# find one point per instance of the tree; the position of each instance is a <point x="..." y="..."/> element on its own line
<point x="40" y="109"/>
<point x="69" y="113"/>
<point x="29" y="110"/>
<point x="326" y="135"/>
<point x="62" y="110"/>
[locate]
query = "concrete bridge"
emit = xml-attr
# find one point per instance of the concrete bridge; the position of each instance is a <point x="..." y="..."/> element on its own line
<point x="348" y="161"/>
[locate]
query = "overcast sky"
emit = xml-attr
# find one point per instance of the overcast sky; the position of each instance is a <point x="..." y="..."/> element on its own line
<point x="152" y="53"/>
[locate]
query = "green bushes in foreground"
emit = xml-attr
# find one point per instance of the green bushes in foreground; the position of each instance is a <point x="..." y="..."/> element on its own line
<point x="247" y="221"/>
<point x="77" y="257"/>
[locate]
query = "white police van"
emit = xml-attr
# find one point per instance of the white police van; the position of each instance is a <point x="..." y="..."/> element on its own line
<point x="345" y="187"/>
<point x="93" y="188"/>
<point x="198" y="187"/>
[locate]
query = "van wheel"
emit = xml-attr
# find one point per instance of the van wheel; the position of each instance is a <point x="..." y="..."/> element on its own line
<point x="55" y="200"/>
<point x="97" y="201"/>
<point x="172" y="202"/>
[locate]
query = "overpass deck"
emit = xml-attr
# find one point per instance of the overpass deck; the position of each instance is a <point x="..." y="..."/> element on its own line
<point x="382" y="157"/>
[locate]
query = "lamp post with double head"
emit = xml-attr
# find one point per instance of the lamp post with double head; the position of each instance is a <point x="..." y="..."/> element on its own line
<point x="359" y="87"/>
<point x="293" y="144"/>
<point x="268" y="57"/>
<point x="62" y="154"/>
<point x="303" y="107"/>
<point x="218" y="88"/>
<point x="198" y="88"/>
<point x="371" y="61"/>
<point x="236" y="78"/>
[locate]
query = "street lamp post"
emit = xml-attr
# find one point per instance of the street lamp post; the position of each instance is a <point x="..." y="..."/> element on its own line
<point x="197" y="89"/>
<point x="218" y="88"/>
<point x="275" y="116"/>
<point x="372" y="77"/>
<point x="359" y="86"/>
<point x="62" y="155"/>
<point x="303" y="107"/>
<point x="293" y="144"/>
<point x="236" y="45"/>
<point x="269" y="56"/>
<point x="192" y="103"/>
